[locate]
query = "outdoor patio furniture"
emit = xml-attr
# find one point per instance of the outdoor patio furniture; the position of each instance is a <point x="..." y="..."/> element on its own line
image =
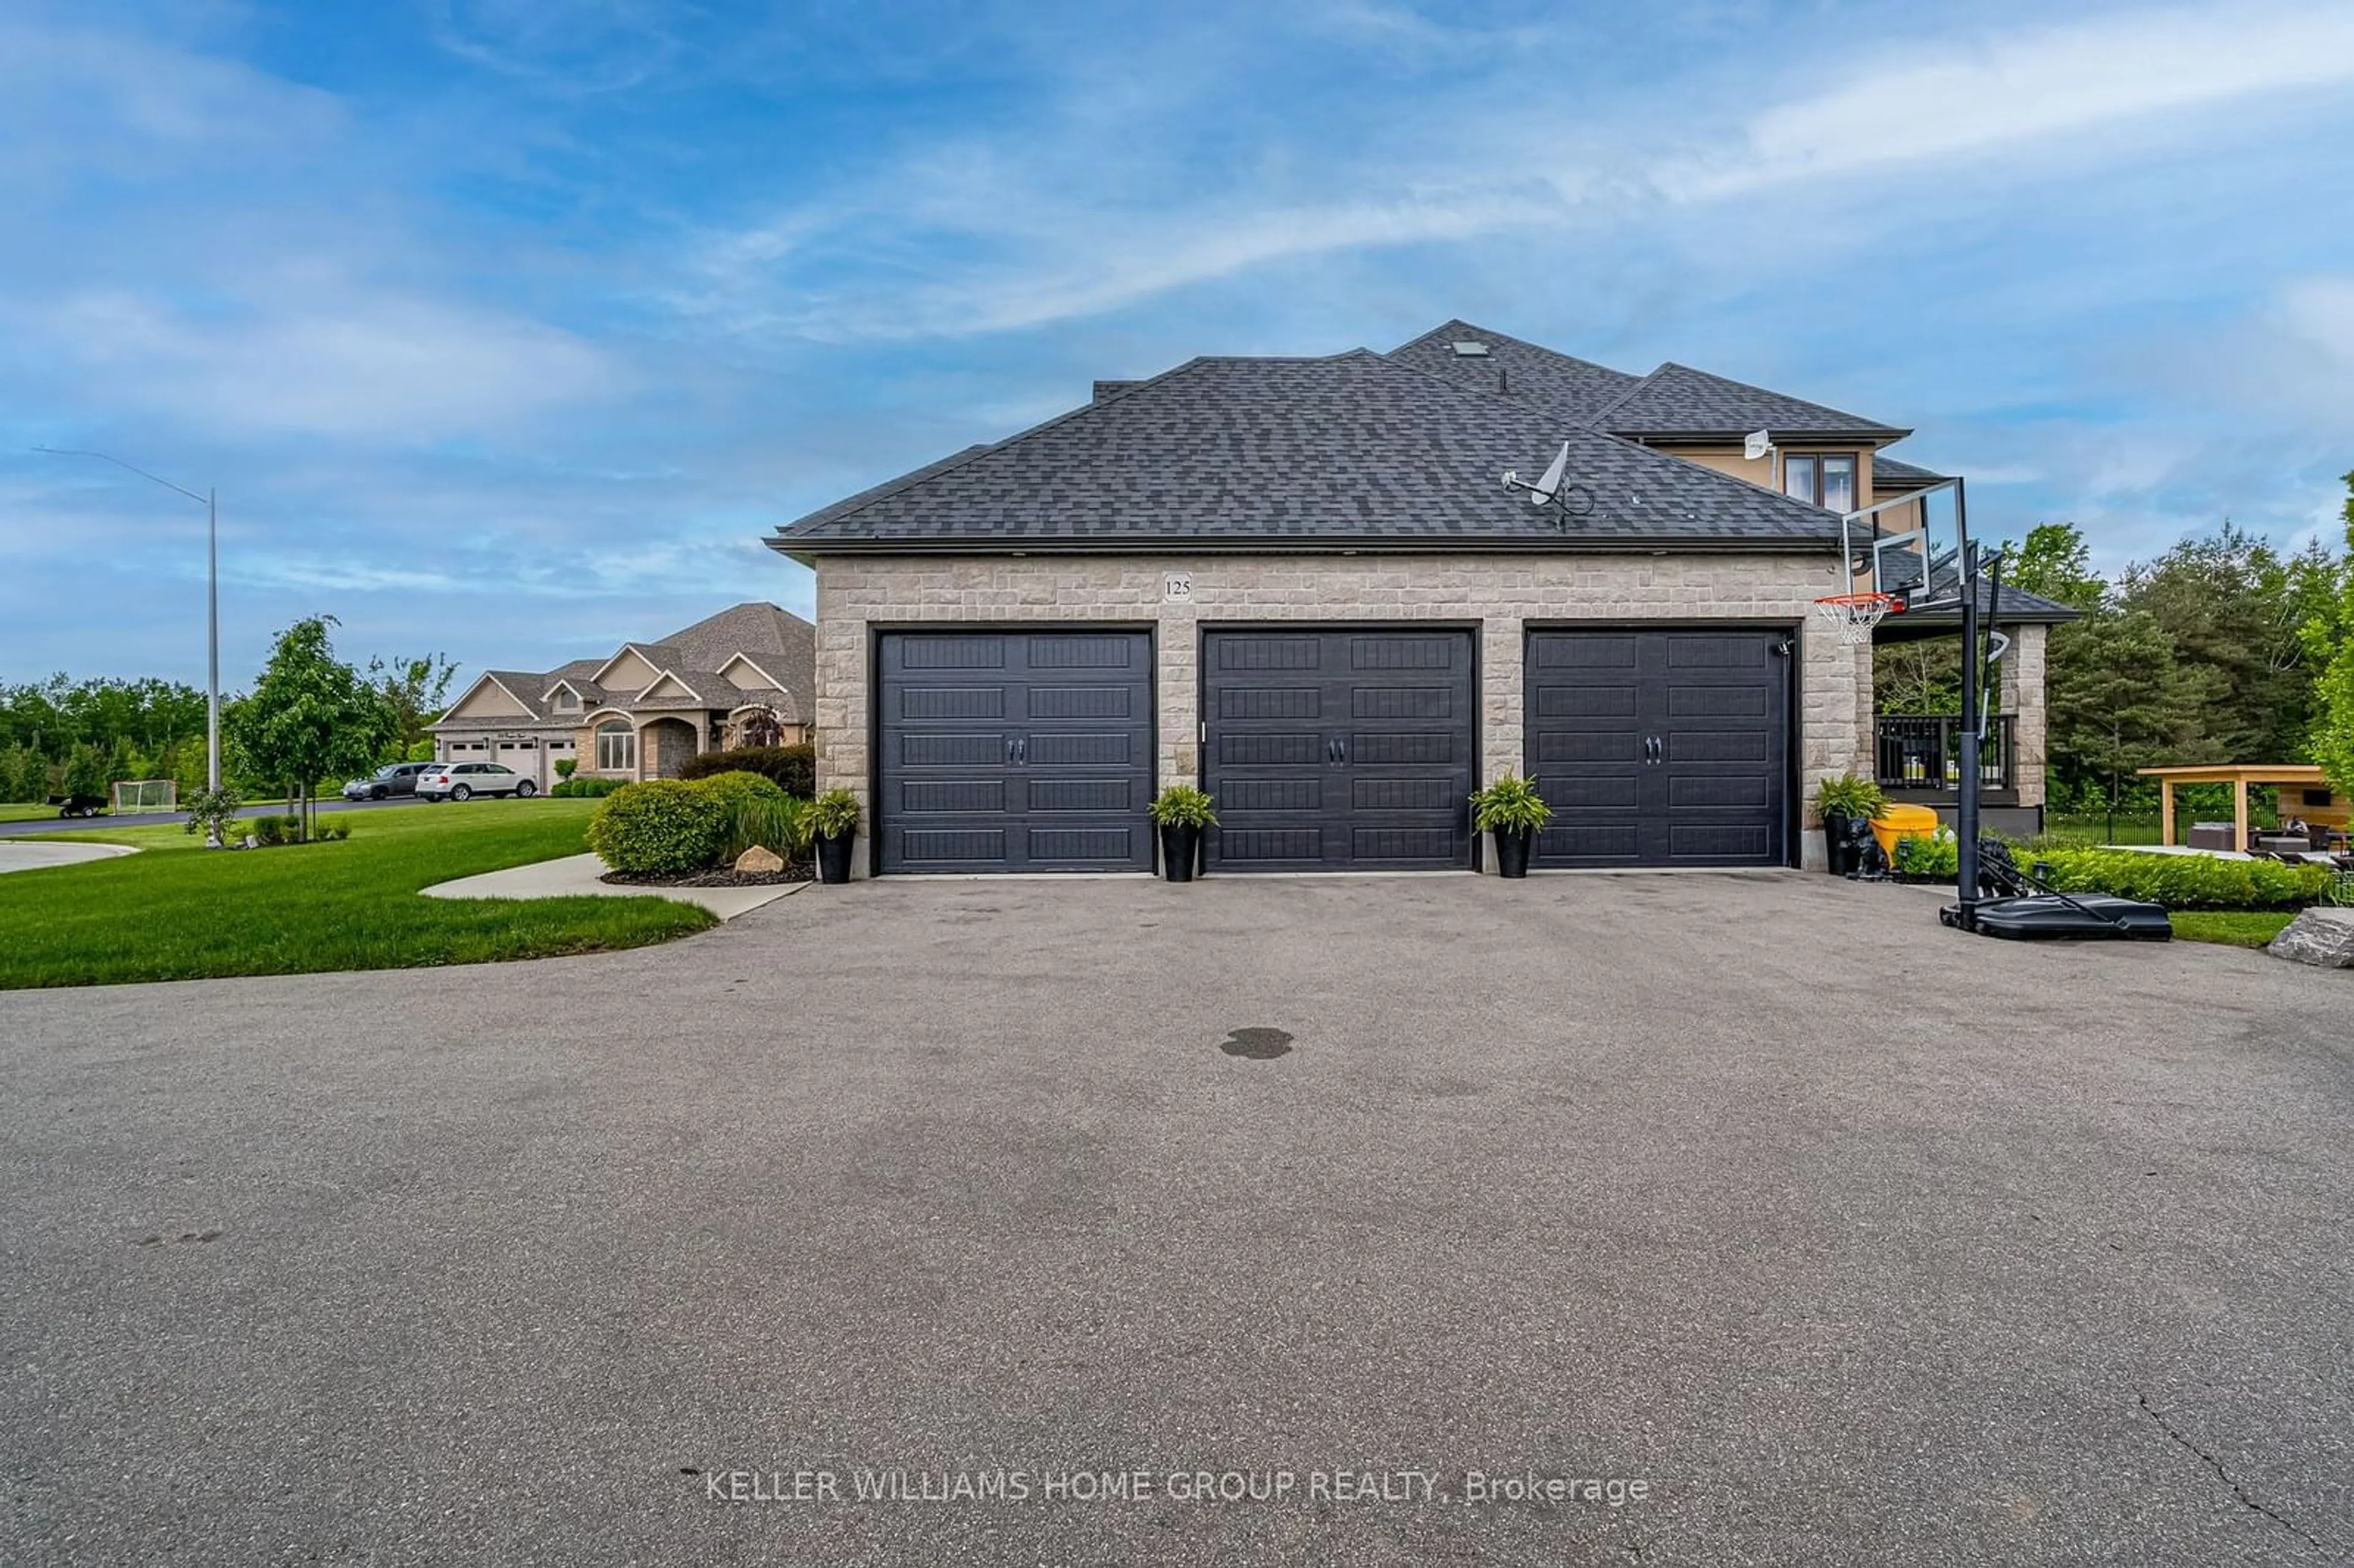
<point x="2213" y="836"/>
<point x="2292" y="845"/>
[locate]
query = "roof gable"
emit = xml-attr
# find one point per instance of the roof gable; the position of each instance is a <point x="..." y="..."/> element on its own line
<point x="667" y="687"/>
<point x="632" y="668"/>
<point x="1356" y="447"/>
<point x="491" y="697"/>
<point x="738" y="665"/>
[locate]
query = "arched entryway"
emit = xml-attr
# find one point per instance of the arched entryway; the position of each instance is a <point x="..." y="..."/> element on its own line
<point x="663" y="747"/>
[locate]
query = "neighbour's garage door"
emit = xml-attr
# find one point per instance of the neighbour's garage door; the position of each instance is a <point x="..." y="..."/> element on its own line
<point x="1660" y="747"/>
<point x="1015" y="751"/>
<point x="523" y="757"/>
<point x="1339" y="750"/>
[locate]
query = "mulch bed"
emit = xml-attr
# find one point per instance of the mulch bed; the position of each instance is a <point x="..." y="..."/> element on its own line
<point x="724" y="876"/>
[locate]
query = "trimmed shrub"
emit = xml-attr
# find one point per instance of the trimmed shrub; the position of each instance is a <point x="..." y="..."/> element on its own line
<point x="793" y="767"/>
<point x="336" y="832"/>
<point x="659" y="826"/>
<point x="733" y="787"/>
<point x="2185" y="881"/>
<point x="564" y="766"/>
<point x="271" y="831"/>
<point x="586" y="786"/>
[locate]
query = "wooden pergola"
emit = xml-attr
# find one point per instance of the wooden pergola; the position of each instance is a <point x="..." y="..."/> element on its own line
<point x="2238" y="775"/>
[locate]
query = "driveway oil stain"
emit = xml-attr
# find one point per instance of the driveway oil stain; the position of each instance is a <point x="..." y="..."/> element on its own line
<point x="1257" y="1044"/>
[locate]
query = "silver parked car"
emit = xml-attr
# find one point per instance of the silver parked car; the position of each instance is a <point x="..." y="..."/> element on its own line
<point x="393" y="778"/>
<point x="463" y="781"/>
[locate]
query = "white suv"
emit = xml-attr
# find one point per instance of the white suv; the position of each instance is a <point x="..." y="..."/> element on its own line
<point x="463" y="781"/>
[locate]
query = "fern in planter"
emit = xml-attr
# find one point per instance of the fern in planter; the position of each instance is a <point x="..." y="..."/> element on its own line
<point x="1849" y="796"/>
<point x="1510" y="805"/>
<point x="834" y="815"/>
<point x="1183" y="806"/>
<point x="1182" y="812"/>
<point x="1511" y="808"/>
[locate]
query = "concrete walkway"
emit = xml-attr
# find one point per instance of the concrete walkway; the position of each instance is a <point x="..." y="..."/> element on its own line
<point x="578" y="876"/>
<point x="32" y="857"/>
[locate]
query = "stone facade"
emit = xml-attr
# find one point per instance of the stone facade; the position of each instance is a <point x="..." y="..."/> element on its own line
<point x="1500" y="594"/>
<point x="2022" y="679"/>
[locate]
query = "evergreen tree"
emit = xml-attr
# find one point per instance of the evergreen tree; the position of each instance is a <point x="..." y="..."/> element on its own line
<point x="2120" y="699"/>
<point x="2329" y="635"/>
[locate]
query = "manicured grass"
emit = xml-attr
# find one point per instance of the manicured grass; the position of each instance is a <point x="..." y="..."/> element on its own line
<point x="26" y="811"/>
<point x="181" y="912"/>
<point x="2232" y="927"/>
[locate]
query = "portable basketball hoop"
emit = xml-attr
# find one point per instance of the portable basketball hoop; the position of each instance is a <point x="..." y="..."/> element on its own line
<point x="1853" y="615"/>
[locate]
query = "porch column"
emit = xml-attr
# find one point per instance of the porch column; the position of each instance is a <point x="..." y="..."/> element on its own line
<point x="2020" y="676"/>
<point x="2240" y="815"/>
<point x="2166" y="810"/>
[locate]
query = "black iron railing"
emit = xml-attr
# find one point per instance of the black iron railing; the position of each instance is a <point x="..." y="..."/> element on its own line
<point x="1924" y="751"/>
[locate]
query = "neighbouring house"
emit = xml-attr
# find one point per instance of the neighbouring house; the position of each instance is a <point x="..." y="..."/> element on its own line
<point x="743" y="677"/>
<point x="1298" y="583"/>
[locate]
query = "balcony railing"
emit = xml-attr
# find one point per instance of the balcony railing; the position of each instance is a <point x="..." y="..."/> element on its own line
<point x="1924" y="751"/>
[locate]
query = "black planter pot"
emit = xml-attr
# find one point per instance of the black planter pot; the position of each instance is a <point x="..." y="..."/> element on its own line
<point x="1181" y="848"/>
<point x="1512" y="851"/>
<point x="1843" y="843"/>
<point x="833" y="857"/>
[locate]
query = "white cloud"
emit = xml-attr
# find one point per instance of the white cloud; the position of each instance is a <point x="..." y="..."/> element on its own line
<point x="1040" y="233"/>
<point x="573" y="46"/>
<point x="319" y="355"/>
<point x="2022" y="87"/>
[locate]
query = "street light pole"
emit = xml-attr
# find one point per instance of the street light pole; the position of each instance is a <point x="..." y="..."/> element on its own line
<point x="212" y="601"/>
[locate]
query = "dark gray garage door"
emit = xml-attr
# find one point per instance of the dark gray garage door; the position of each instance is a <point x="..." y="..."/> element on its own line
<point x="1015" y="751"/>
<point x="1339" y="750"/>
<point x="1660" y="747"/>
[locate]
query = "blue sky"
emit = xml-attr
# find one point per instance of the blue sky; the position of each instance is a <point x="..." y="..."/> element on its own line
<point x="506" y="327"/>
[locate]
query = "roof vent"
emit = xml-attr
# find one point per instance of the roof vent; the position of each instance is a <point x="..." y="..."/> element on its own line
<point x="1469" y="349"/>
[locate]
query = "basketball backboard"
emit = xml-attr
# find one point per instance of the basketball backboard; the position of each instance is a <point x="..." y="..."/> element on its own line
<point x="1910" y="547"/>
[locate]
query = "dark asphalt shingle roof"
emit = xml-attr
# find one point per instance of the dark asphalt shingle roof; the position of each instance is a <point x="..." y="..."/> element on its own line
<point x="1897" y="476"/>
<point x="1357" y="447"/>
<point x="1575" y="388"/>
<point x="1677" y="400"/>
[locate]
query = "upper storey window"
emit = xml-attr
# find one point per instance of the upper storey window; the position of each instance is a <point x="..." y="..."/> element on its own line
<point x="1827" y="478"/>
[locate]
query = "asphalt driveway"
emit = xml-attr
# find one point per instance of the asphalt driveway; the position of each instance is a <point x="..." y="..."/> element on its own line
<point x="1854" y="1239"/>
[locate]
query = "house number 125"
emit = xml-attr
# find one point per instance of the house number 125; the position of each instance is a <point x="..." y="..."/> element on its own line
<point x="1177" y="588"/>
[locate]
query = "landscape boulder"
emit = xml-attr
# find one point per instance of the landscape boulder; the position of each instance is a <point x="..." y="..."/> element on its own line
<point x="2321" y="937"/>
<point x="756" y="859"/>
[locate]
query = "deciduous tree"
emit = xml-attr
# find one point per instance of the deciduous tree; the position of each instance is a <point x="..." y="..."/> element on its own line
<point x="311" y="717"/>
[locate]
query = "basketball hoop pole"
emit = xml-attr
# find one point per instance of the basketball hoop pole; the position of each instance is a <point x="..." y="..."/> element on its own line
<point x="1965" y="803"/>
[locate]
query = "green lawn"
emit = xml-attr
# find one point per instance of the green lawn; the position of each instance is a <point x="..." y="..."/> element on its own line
<point x="25" y="811"/>
<point x="181" y="912"/>
<point x="2232" y="927"/>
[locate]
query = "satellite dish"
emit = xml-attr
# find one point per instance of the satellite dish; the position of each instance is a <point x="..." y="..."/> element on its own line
<point x="1549" y="486"/>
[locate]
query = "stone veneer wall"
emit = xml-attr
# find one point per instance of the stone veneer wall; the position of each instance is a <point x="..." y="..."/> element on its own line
<point x="1499" y="594"/>
<point x="2022" y="682"/>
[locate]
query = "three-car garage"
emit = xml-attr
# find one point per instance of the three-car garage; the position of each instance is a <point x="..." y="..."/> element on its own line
<point x="1011" y="748"/>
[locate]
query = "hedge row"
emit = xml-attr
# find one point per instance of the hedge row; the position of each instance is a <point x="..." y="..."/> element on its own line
<point x="586" y="787"/>
<point x="793" y="767"/>
<point x="2185" y="881"/>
